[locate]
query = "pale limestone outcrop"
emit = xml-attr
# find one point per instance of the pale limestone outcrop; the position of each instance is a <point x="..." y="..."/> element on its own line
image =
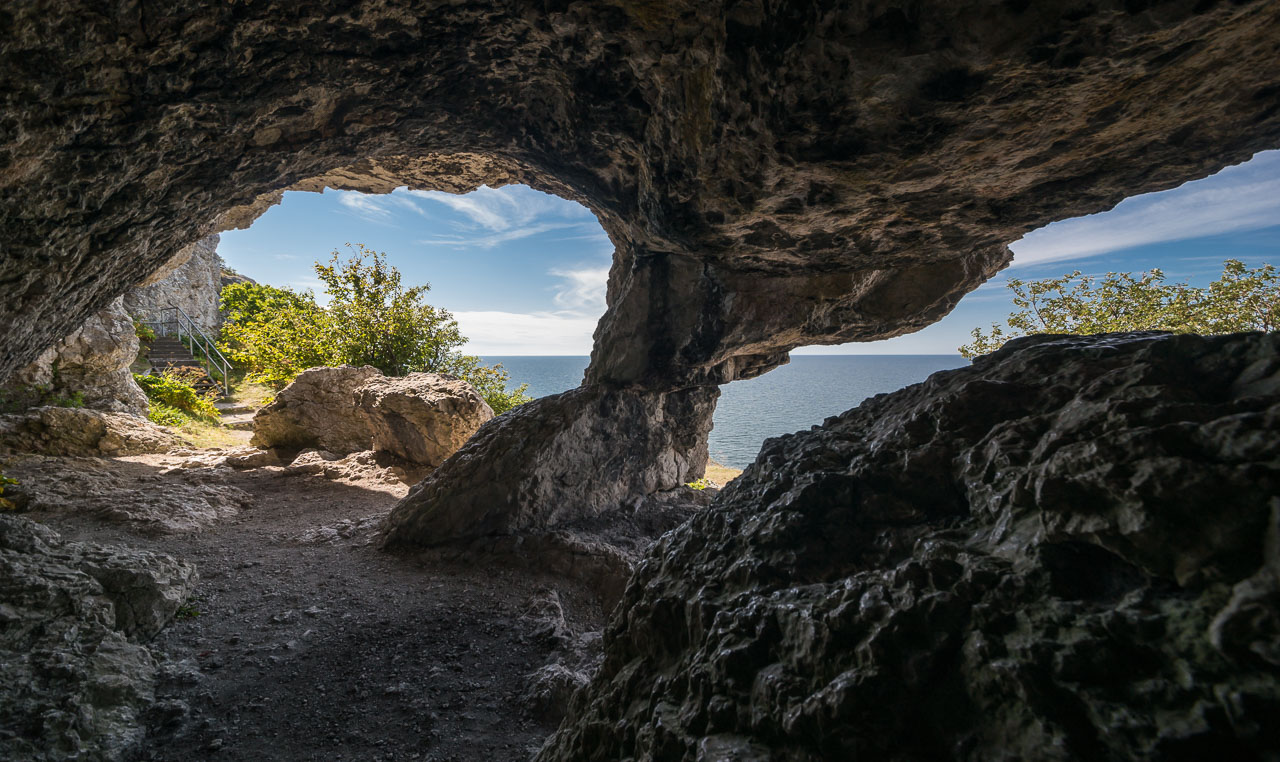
<point x="191" y="281"/>
<point x="317" y="409"/>
<point x="82" y="432"/>
<point x="74" y="679"/>
<point x="1068" y="550"/>
<point x="421" y="417"/>
<point x="93" y="362"/>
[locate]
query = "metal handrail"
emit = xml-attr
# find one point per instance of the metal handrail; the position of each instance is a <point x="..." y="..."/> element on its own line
<point x="212" y="357"/>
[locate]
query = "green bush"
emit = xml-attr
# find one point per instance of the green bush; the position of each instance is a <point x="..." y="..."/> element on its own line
<point x="5" y="503"/>
<point x="371" y="319"/>
<point x="144" y="332"/>
<point x="168" y="392"/>
<point x="166" y="415"/>
<point x="1241" y="300"/>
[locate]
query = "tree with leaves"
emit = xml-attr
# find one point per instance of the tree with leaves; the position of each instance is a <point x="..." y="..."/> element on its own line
<point x="371" y="319"/>
<point x="1241" y="300"/>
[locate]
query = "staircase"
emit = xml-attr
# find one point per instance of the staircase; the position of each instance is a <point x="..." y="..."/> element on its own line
<point x="169" y="353"/>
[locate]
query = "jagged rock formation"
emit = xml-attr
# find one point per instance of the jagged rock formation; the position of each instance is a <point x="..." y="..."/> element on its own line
<point x="422" y="417"/>
<point x="93" y="362"/>
<point x="1067" y="551"/>
<point x="317" y="409"/>
<point x="554" y="475"/>
<point x="191" y="280"/>
<point x="74" y="680"/>
<point x="772" y="175"/>
<point x="82" y="432"/>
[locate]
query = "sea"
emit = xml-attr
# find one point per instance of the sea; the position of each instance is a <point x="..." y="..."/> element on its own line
<point x="791" y="398"/>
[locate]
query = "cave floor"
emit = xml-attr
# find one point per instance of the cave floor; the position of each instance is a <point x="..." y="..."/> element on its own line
<point x="315" y="645"/>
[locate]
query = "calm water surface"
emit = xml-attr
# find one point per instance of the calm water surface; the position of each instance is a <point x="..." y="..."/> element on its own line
<point x="793" y="397"/>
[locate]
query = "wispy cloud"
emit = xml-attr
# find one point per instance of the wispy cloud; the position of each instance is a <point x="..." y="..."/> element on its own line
<point x="494" y="239"/>
<point x="582" y="290"/>
<point x="1240" y="198"/>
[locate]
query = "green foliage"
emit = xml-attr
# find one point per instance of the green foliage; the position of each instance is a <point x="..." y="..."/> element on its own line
<point x="1241" y="300"/>
<point x="18" y="398"/>
<point x="5" y="503"/>
<point x="171" y="397"/>
<point x="144" y="332"/>
<point x="371" y="319"/>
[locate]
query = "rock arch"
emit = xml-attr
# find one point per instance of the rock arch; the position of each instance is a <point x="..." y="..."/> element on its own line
<point x="771" y="174"/>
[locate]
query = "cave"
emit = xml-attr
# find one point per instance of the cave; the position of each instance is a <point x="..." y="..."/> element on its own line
<point x="772" y="176"/>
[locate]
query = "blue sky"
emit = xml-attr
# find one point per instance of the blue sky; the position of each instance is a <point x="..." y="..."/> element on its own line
<point x="524" y="272"/>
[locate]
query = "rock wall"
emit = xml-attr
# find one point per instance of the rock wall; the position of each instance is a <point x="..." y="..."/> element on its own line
<point x="1069" y="550"/>
<point x="77" y="681"/>
<point x="191" y="280"/>
<point x="92" y="362"/>
<point x="772" y="175"/>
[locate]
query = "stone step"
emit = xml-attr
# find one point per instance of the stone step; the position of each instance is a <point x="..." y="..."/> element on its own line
<point x="241" y="421"/>
<point x="232" y="408"/>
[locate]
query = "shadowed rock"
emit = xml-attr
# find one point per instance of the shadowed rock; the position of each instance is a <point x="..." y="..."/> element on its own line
<point x="1066" y="551"/>
<point x="772" y="175"/>
<point x="518" y="474"/>
<point x="73" y="679"/>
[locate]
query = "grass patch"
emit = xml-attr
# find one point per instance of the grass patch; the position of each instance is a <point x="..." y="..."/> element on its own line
<point x="252" y="395"/>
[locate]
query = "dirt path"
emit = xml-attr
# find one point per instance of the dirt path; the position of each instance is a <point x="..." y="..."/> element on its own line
<point x="306" y="642"/>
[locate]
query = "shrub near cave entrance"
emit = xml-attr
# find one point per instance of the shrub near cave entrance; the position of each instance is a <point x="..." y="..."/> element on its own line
<point x="371" y="319"/>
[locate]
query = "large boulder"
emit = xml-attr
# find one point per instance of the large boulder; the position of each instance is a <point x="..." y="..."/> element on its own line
<point x="74" y="680"/>
<point x="317" y="410"/>
<point x="92" y="363"/>
<point x="82" y="432"/>
<point x="421" y="417"/>
<point x="608" y="449"/>
<point x="1069" y="550"/>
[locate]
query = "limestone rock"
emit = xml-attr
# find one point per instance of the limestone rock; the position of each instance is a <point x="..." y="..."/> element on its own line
<point x="317" y="410"/>
<point x="772" y="175"/>
<point x="82" y="432"/>
<point x="607" y="448"/>
<point x="137" y="495"/>
<point x="1066" y="551"/>
<point x="422" y="417"/>
<point x="369" y="469"/>
<point x="74" y="681"/>
<point x="191" y="280"/>
<point x="92" y="362"/>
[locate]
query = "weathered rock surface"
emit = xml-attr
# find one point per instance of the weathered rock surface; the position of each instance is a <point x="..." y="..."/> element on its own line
<point x="517" y="473"/>
<point x="366" y="468"/>
<point x="149" y="499"/>
<point x="73" y="679"/>
<point x="1067" y="551"/>
<point x="82" y="432"/>
<point x="92" y="362"/>
<point x="772" y="175"/>
<point x="421" y="417"/>
<point x="318" y="411"/>
<point x="191" y="280"/>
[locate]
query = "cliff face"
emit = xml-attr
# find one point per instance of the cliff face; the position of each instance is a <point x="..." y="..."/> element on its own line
<point x="1070" y="550"/>
<point x="191" y="280"/>
<point x="771" y="175"/>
